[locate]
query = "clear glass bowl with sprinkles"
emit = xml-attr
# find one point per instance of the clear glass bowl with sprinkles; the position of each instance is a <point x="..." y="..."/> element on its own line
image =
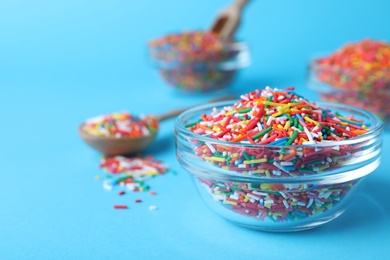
<point x="277" y="183"/>
<point x="197" y="61"/>
<point x="357" y="74"/>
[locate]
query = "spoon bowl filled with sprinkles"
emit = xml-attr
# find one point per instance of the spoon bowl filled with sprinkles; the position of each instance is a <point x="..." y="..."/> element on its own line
<point x="275" y="161"/>
<point x="119" y="133"/>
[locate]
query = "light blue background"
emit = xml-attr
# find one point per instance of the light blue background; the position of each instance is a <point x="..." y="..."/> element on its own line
<point x="64" y="61"/>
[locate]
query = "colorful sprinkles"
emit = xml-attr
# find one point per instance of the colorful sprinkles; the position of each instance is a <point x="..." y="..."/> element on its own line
<point x="280" y="119"/>
<point x="121" y="124"/>
<point x="191" y="61"/>
<point x="277" y="202"/>
<point x="131" y="173"/>
<point x="360" y="73"/>
<point x="276" y="133"/>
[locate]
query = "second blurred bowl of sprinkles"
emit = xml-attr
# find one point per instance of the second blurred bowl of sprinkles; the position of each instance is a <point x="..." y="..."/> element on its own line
<point x="197" y="61"/>
<point x="357" y="74"/>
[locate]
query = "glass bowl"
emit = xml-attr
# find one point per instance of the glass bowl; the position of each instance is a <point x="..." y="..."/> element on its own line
<point x="366" y="89"/>
<point x="203" y="72"/>
<point x="278" y="188"/>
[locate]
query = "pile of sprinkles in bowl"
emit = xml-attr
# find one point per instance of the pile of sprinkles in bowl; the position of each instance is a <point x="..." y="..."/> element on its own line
<point x="281" y="119"/>
<point x="363" y="65"/>
<point x="121" y="124"/>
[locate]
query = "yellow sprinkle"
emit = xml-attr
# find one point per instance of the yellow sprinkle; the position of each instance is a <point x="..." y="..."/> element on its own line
<point x="258" y="171"/>
<point x="287" y="125"/>
<point x="281" y="157"/>
<point x="311" y="120"/>
<point x="261" y="160"/>
<point x="265" y="186"/>
<point x="274" y="104"/>
<point x="214" y="158"/>
<point x="230" y="202"/>
<point x="246" y="198"/>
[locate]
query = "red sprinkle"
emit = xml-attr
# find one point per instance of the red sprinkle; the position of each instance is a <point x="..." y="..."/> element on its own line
<point x="120" y="207"/>
<point x="122" y="193"/>
<point x="138" y="201"/>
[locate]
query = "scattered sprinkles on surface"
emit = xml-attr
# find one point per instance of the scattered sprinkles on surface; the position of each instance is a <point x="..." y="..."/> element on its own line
<point x="131" y="173"/>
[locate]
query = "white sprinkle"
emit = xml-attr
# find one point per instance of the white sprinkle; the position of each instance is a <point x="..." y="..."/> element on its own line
<point x="260" y="193"/>
<point x="310" y="202"/>
<point x="269" y="120"/>
<point x="286" y="204"/>
<point x="296" y="129"/>
<point x="244" y="97"/>
<point x="235" y="197"/>
<point x="152" y="207"/>
<point x="107" y="185"/>
<point x="308" y="135"/>
<point x="253" y="196"/>
<point x="291" y="186"/>
<point x="286" y="163"/>
<point x="337" y="148"/>
<point x="264" y="137"/>
<point x="211" y="147"/>
<point x="283" y="194"/>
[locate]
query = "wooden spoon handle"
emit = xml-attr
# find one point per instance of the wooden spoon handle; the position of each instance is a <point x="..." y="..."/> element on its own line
<point x="176" y="112"/>
<point x="228" y="20"/>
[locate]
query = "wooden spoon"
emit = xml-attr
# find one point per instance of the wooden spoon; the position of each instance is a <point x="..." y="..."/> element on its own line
<point x="111" y="145"/>
<point x="228" y="20"/>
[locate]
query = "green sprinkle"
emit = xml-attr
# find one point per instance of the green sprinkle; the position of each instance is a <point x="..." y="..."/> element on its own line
<point x="315" y="162"/>
<point x="289" y="118"/>
<point x="262" y="133"/>
<point x="246" y="155"/>
<point x="245" y="110"/>
<point x="268" y="99"/>
<point x="192" y="124"/>
<point x="296" y="122"/>
<point x="291" y="140"/>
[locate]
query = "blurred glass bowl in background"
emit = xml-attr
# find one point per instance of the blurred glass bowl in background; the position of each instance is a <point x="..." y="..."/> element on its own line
<point x="207" y="65"/>
<point x="366" y="89"/>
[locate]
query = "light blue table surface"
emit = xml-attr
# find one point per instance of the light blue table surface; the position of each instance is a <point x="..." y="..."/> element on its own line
<point x="62" y="62"/>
